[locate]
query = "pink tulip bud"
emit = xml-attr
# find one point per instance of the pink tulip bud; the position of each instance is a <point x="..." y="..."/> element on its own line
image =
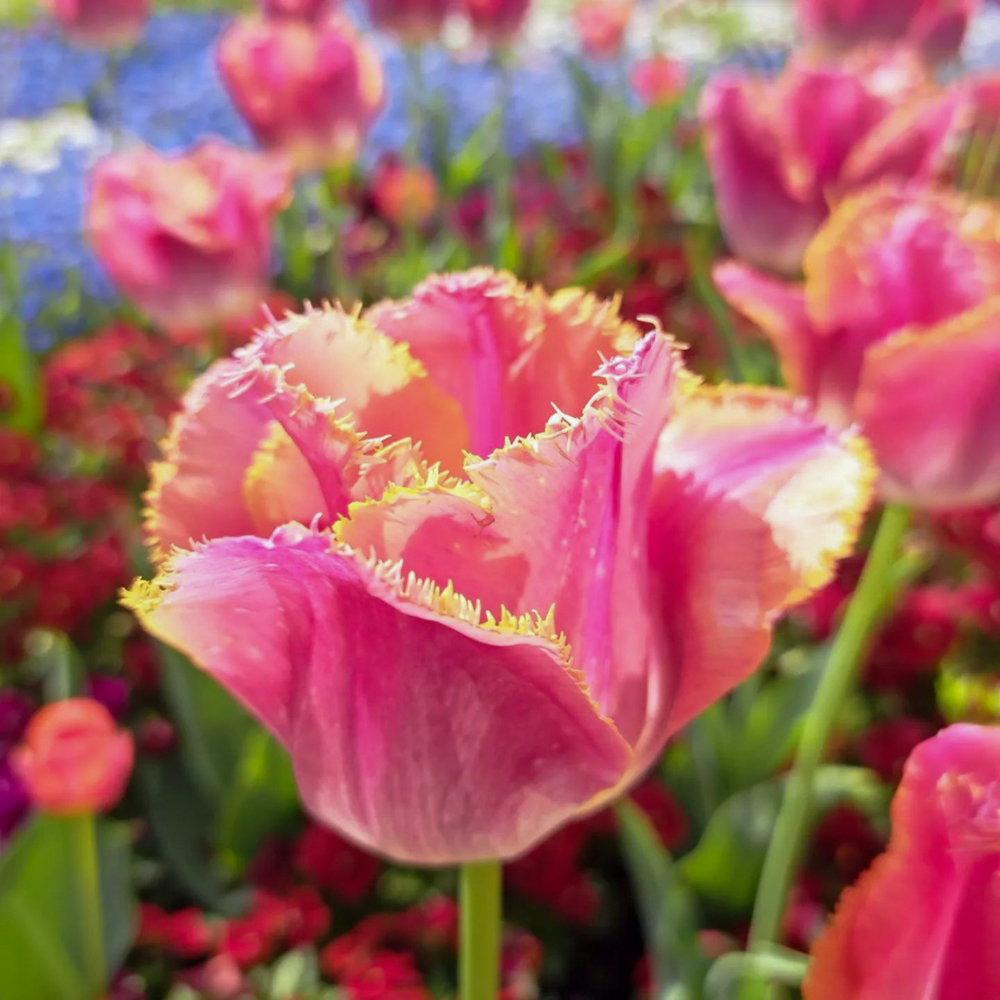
<point x="921" y="922"/>
<point x="413" y="22"/>
<point x="297" y="10"/>
<point x="496" y="21"/>
<point x="310" y="91"/>
<point x="658" y="80"/>
<point x="187" y="237"/>
<point x="601" y="25"/>
<point x="73" y="758"/>
<point x="935" y="27"/>
<point x="404" y="194"/>
<point x="100" y="24"/>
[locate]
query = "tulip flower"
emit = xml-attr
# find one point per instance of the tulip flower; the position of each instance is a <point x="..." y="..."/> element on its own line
<point x="100" y="24"/>
<point x="404" y="194"/>
<point x="310" y="91"/>
<point x="469" y="360"/>
<point x="413" y="22"/>
<point x="897" y="327"/>
<point x="781" y="151"/>
<point x="73" y="758"/>
<point x="935" y="27"/>
<point x="658" y="80"/>
<point x="297" y="10"/>
<point x="460" y="666"/>
<point x="601" y="25"/>
<point x="188" y="237"/>
<point x="496" y="21"/>
<point x="922" y="921"/>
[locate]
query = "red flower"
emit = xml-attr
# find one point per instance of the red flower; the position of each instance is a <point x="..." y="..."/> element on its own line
<point x="335" y="864"/>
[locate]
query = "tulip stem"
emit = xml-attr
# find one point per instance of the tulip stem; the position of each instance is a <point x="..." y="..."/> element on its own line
<point x="479" y="897"/>
<point x="867" y="608"/>
<point x="84" y="833"/>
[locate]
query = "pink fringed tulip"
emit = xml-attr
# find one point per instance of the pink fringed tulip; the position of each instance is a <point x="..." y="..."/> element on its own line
<point x="781" y="151"/>
<point x="496" y="21"/>
<point x="486" y="359"/>
<point x="310" y="91"/>
<point x="414" y="22"/>
<point x="923" y="922"/>
<point x="897" y="327"/>
<point x="100" y="24"/>
<point x="73" y="758"/>
<point x="410" y="657"/>
<point x="935" y="27"/>
<point x="188" y="238"/>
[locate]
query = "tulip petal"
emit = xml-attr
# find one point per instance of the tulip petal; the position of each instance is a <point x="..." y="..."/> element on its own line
<point x="929" y="402"/>
<point x="328" y="360"/>
<point x="778" y="308"/>
<point x="753" y="504"/>
<point x="553" y="519"/>
<point x="414" y="729"/>
<point x="923" y="920"/>
<point x="765" y="222"/>
<point x="916" y="142"/>
<point x="507" y="354"/>
<point x="196" y="491"/>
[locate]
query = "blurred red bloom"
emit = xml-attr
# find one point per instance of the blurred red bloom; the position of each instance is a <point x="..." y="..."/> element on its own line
<point x="335" y="864"/>
<point x="183" y="933"/>
<point x="73" y="759"/>
<point x="601" y="25"/>
<point x="100" y="24"/>
<point x="658" y="79"/>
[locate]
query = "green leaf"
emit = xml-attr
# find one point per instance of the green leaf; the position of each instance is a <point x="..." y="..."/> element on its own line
<point x="213" y="726"/>
<point x="724" y="868"/>
<point x="468" y="165"/>
<point x="666" y="908"/>
<point x="262" y="801"/>
<point x="294" y="975"/>
<point x="19" y="374"/>
<point x="181" y="820"/>
<point x="43" y="909"/>
<point x="54" y="661"/>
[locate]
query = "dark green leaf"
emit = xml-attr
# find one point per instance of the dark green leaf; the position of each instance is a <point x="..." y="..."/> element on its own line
<point x="262" y="800"/>
<point x="666" y="908"/>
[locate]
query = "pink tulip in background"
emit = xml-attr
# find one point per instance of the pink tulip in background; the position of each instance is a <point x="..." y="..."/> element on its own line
<point x="923" y="921"/>
<point x="187" y="237"/>
<point x="897" y="327"/>
<point x="782" y="151"/>
<point x="73" y="758"/>
<point x="600" y="25"/>
<point x="309" y="91"/>
<point x="658" y="79"/>
<point x="496" y="21"/>
<point x="100" y="24"/>
<point x="935" y="27"/>
<point x="459" y="666"/>
<point x="414" y="22"/>
<point x="297" y="10"/>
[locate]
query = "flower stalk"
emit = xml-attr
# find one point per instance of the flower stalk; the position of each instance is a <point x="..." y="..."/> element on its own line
<point x="480" y="885"/>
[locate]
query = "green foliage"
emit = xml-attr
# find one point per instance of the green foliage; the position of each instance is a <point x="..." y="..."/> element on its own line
<point x="666" y="908"/>
<point x="44" y="909"/>
<point x="19" y="374"/>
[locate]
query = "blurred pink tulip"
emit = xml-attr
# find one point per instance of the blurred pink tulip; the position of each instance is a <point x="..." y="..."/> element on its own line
<point x="496" y="21"/>
<point x="188" y="238"/>
<point x="658" y="80"/>
<point x="897" y="327"/>
<point x="923" y="920"/>
<point x="600" y="25"/>
<point x="413" y="22"/>
<point x="310" y="91"/>
<point x="297" y="10"/>
<point x="73" y="758"/>
<point x="781" y="151"/>
<point x="100" y="24"/>
<point x="935" y="27"/>
<point x="410" y="656"/>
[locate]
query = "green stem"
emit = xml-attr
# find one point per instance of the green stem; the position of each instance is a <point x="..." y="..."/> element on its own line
<point x="91" y="915"/>
<point x="867" y="608"/>
<point x="479" y="939"/>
